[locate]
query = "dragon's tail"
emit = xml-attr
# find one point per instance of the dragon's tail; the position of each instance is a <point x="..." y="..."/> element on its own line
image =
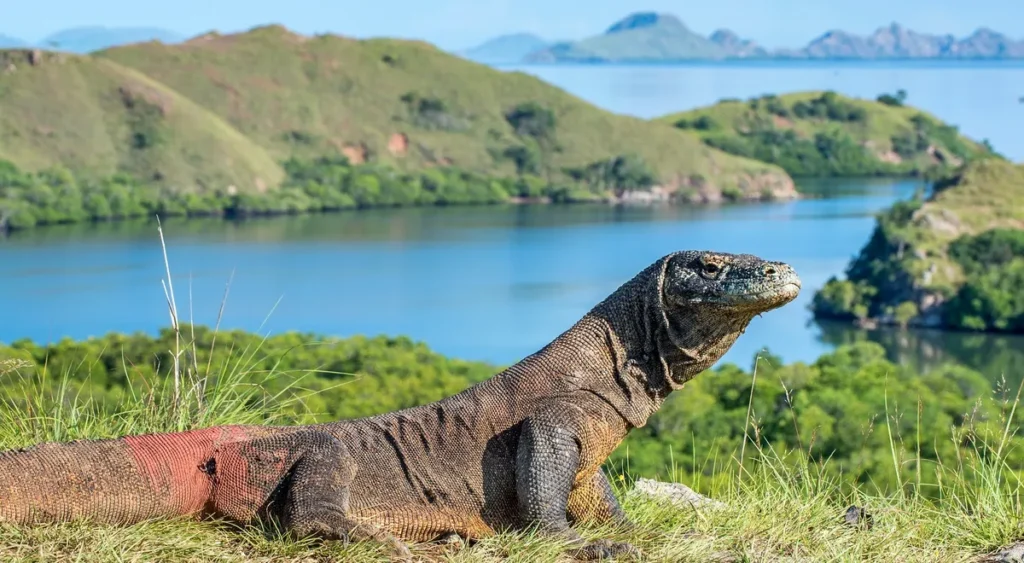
<point x="117" y="481"/>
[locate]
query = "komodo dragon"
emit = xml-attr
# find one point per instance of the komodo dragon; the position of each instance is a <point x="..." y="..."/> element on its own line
<point x="522" y="448"/>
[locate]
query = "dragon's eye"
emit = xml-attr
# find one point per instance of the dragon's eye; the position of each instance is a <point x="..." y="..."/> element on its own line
<point x="711" y="268"/>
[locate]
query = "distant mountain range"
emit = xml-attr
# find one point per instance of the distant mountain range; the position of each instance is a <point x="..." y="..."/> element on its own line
<point x="94" y="38"/>
<point x="650" y="36"/>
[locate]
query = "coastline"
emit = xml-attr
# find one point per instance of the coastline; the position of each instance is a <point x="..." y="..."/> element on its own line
<point x="652" y="197"/>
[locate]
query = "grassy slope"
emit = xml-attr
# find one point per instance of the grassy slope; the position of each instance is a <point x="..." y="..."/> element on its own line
<point x="83" y="113"/>
<point x="883" y="122"/>
<point x="985" y="195"/>
<point x="910" y="252"/>
<point x="313" y="96"/>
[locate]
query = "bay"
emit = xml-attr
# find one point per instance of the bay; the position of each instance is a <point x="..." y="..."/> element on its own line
<point x="496" y="283"/>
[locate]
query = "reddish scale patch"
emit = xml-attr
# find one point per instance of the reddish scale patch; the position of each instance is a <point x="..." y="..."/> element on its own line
<point x="173" y="463"/>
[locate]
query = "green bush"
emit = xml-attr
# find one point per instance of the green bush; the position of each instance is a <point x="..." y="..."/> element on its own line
<point x="893" y="100"/>
<point x="830" y="107"/>
<point x="322" y="184"/>
<point x="991" y="297"/>
<point x="828" y="154"/>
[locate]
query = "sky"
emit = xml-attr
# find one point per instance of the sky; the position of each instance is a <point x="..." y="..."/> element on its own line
<point x="456" y="24"/>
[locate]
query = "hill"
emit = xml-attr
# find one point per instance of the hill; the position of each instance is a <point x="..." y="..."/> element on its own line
<point x="505" y="49"/>
<point x="649" y="36"/>
<point x="93" y="38"/>
<point x="410" y="105"/>
<point x="735" y="46"/>
<point x="96" y="117"/>
<point x="827" y="134"/>
<point x="954" y="260"/>
<point x="642" y="36"/>
<point x="897" y="42"/>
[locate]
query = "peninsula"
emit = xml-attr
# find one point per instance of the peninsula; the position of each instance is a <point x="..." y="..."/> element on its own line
<point x="819" y="134"/>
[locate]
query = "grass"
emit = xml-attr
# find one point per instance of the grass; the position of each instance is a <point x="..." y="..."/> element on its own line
<point x="774" y="510"/>
<point x="94" y="116"/>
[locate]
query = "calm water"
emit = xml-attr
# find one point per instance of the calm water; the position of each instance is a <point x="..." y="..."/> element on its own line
<point x="497" y="283"/>
<point x="491" y="283"/>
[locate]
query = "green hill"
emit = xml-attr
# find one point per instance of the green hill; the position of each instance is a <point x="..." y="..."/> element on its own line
<point x="827" y="134"/>
<point x="954" y="260"/>
<point x="96" y="117"/>
<point x="411" y="105"/>
<point x="299" y="123"/>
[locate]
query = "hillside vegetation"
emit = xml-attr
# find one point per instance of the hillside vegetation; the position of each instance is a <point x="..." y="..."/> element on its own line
<point x="827" y="134"/>
<point x="923" y="454"/>
<point x="98" y="118"/>
<point x="411" y="105"/>
<point x="954" y="260"/>
<point x="268" y="121"/>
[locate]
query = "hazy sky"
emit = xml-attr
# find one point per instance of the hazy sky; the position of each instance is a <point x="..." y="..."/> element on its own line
<point x="460" y="23"/>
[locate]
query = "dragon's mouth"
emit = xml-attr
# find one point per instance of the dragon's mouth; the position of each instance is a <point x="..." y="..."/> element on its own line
<point x="780" y="294"/>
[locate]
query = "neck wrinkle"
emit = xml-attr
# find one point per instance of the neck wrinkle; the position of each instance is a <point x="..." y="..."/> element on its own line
<point x="622" y="351"/>
<point x="632" y="322"/>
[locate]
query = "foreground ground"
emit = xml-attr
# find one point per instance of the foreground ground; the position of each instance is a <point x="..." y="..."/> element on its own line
<point x="762" y="524"/>
<point x="956" y="507"/>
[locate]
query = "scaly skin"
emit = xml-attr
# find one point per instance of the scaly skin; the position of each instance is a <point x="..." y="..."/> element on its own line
<point x="523" y="448"/>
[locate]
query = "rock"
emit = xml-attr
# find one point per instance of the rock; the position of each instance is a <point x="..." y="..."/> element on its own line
<point x="1012" y="554"/>
<point x="675" y="493"/>
<point x="857" y="517"/>
<point x="657" y="194"/>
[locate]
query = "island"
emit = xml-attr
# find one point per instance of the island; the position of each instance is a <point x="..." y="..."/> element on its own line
<point x="951" y="260"/>
<point x="269" y="121"/>
<point x="822" y="134"/>
<point x="653" y="37"/>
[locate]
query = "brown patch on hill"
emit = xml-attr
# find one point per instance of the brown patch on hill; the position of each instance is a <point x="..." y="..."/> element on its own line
<point x="135" y="94"/>
<point x="356" y="154"/>
<point x="398" y="144"/>
<point x="782" y="122"/>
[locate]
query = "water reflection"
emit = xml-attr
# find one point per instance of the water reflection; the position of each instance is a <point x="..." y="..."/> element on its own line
<point x="996" y="356"/>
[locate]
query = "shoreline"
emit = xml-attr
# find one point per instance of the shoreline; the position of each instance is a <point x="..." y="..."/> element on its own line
<point x="652" y="197"/>
<point x="656" y="196"/>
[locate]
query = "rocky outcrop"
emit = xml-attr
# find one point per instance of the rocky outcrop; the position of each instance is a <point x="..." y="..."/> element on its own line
<point x="673" y="493"/>
<point x="741" y="187"/>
